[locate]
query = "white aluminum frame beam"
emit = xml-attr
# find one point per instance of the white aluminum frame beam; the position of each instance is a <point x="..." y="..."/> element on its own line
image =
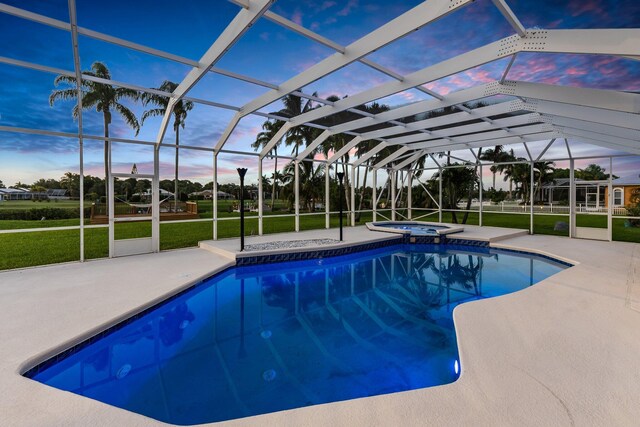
<point x="344" y="150"/>
<point x="617" y="42"/>
<point x="522" y="119"/>
<point x="580" y="112"/>
<point x="596" y="128"/>
<point x="314" y="144"/>
<point x="620" y="104"/>
<point x="391" y="157"/>
<point x="473" y="143"/>
<point x="231" y="34"/>
<point x="399" y="27"/>
<point x="476" y="113"/>
<point x="511" y="17"/>
<point x="410" y="160"/>
<point x="412" y="20"/>
<point x="369" y="154"/>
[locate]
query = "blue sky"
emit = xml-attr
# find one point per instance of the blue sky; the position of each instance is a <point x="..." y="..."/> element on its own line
<point x="270" y="53"/>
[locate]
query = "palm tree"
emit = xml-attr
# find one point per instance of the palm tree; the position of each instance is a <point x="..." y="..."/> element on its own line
<point x="297" y="136"/>
<point x="543" y="174"/>
<point x="494" y="155"/>
<point x="269" y="130"/>
<point x="520" y="173"/>
<point x="506" y="156"/>
<point x="180" y="110"/>
<point x="104" y="97"/>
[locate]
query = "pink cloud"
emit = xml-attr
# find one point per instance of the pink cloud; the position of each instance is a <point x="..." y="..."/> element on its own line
<point x="326" y="5"/>
<point x="297" y="16"/>
<point x="595" y="7"/>
<point x="346" y="10"/>
<point x="573" y="71"/>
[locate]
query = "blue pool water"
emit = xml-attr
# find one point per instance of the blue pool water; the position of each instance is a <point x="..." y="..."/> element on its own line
<point x="260" y="339"/>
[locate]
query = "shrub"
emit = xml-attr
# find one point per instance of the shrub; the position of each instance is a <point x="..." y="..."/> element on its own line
<point x="36" y="214"/>
<point x="634" y="208"/>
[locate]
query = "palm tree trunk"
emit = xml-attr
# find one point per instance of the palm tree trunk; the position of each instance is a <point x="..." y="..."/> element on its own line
<point x="347" y="187"/>
<point x="364" y="189"/>
<point x="453" y="202"/>
<point x="466" y="214"/>
<point x="175" y="186"/>
<point x="494" y="180"/>
<point x="275" y="176"/>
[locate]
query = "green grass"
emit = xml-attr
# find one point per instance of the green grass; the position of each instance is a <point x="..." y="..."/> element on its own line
<point x="38" y="248"/>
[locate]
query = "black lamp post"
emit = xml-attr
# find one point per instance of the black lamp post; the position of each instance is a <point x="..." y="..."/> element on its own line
<point x="242" y="172"/>
<point x="340" y="177"/>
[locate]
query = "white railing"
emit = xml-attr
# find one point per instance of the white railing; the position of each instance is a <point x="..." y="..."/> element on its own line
<point x="550" y="208"/>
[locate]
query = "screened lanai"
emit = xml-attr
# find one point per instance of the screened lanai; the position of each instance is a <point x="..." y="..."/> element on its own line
<point x="419" y="125"/>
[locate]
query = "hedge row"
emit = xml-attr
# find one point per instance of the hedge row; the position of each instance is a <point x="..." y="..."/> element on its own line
<point x="37" y="214"/>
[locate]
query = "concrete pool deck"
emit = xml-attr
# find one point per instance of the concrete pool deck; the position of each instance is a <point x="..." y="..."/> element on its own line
<point x="563" y="352"/>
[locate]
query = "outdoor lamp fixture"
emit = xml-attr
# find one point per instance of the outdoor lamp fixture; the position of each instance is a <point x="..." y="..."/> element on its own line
<point x="242" y="172"/>
<point x="340" y="178"/>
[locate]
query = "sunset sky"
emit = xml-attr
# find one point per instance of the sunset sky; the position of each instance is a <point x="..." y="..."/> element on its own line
<point x="271" y="53"/>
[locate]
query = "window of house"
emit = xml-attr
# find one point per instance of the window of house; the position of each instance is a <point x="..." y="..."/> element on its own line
<point x="618" y="197"/>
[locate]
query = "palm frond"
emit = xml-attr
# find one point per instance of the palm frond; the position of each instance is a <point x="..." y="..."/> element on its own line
<point x="90" y="99"/>
<point x="62" y="95"/>
<point x="128" y="116"/>
<point x="126" y="93"/>
<point x="100" y="70"/>
<point x="155" y="112"/>
<point x="64" y="79"/>
<point x="152" y="98"/>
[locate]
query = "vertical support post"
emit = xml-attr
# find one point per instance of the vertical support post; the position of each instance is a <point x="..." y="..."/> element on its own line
<point x="296" y="185"/>
<point x="409" y="193"/>
<point x="109" y="201"/>
<point x="572" y="199"/>
<point x="610" y="201"/>
<point x="531" y="200"/>
<point x="353" y="196"/>
<point x="440" y="170"/>
<point x="341" y="195"/>
<point x="260" y="195"/>
<point x="327" y="198"/>
<point x="392" y="184"/>
<point x="155" y="202"/>
<point x="374" y="194"/>
<point x="214" y="195"/>
<point x="81" y="154"/>
<point x="242" y="172"/>
<point x="480" y="196"/>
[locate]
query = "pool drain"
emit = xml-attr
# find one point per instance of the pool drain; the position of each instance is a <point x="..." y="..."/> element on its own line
<point x="269" y="375"/>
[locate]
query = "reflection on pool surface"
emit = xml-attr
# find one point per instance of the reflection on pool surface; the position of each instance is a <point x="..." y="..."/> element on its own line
<point x="260" y="339"/>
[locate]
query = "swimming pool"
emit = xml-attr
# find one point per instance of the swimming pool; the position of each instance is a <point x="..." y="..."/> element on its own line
<point x="414" y="228"/>
<point x="265" y="338"/>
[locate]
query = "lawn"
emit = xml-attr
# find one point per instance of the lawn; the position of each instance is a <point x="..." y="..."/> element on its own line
<point x="47" y="247"/>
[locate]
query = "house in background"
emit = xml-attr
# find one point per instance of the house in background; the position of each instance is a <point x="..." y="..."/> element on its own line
<point x="623" y="188"/>
<point x="15" y="194"/>
<point x="206" y="195"/>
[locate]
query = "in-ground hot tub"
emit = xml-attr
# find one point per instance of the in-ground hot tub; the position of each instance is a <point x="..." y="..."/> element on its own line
<point x="414" y="228"/>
